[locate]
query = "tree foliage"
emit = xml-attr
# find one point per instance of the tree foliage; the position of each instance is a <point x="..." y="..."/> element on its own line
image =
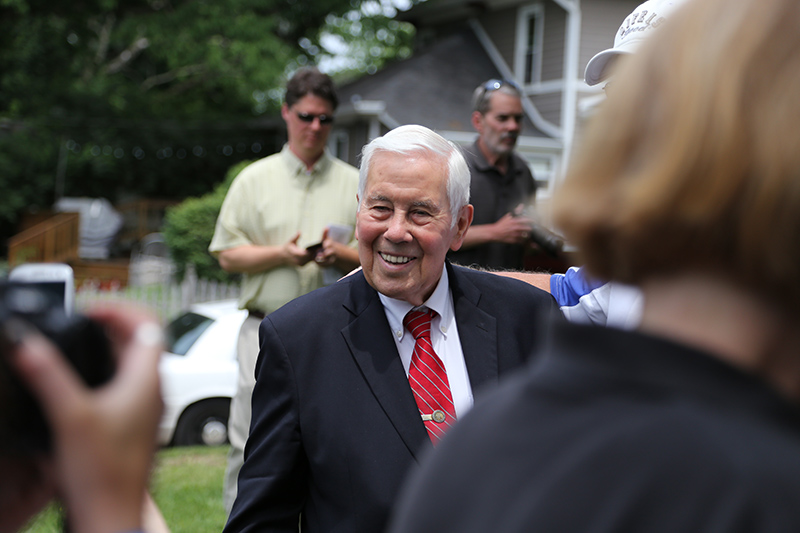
<point x="189" y="227"/>
<point x="147" y="98"/>
<point x="368" y="35"/>
<point x="149" y="58"/>
<point x="157" y="98"/>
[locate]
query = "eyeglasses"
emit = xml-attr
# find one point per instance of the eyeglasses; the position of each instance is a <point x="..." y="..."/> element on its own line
<point x="308" y="117"/>
<point x="494" y="84"/>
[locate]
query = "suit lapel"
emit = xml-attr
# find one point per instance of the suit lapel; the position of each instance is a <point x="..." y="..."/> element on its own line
<point x="477" y="331"/>
<point x="370" y="341"/>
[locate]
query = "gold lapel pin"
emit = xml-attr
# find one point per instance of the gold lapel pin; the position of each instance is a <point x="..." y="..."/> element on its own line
<point x="437" y="416"/>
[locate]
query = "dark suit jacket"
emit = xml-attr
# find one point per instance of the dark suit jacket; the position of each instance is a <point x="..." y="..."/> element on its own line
<point x="335" y="426"/>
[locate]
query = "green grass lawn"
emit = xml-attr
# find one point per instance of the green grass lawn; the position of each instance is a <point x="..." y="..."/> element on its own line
<point x="186" y="485"/>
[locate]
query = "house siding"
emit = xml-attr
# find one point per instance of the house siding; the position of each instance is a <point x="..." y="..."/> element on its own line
<point x="553" y="46"/>
<point x="600" y="22"/>
<point x="501" y="25"/>
<point x="434" y="87"/>
<point x="549" y="106"/>
<point x="358" y="138"/>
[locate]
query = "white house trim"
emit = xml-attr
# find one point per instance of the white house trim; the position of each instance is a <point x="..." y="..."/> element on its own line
<point x="571" y="60"/>
<point x="549" y="86"/>
<point x="521" y="45"/>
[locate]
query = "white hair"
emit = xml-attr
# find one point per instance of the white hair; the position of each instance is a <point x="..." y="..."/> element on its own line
<point x="411" y="139"/>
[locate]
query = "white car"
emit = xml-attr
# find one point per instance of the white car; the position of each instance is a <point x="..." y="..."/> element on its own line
<point x="198" y="374"/>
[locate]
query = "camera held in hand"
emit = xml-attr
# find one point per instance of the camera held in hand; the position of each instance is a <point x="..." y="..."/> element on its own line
<point x="546" y="239"/>
<point x="550" y="242"/>
<point x="82" y="341"/>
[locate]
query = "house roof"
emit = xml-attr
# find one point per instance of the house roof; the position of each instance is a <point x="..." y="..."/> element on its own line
<point x="432" y="88"/>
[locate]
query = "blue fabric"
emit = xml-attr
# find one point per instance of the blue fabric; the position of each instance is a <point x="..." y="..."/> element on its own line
<point x="568" y="288"/>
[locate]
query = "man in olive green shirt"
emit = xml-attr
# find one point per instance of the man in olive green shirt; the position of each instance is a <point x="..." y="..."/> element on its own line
<point x="276" y="210"/>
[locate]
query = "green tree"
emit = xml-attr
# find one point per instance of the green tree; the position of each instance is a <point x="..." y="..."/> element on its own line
<point x="158" y="98"/>
<point x="149" y="59"/>
<point x="362" y="40"/>
<point x="189" y="227"/>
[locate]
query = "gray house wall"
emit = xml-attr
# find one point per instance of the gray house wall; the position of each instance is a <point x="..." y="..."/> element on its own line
<point x="434" y="86"/>
<point x="549" y="105"/>
<point x="358" y="138"/>
<point x="554" y="43"/>
<point x="601" y="20"/>
<point x="501" y="26"/>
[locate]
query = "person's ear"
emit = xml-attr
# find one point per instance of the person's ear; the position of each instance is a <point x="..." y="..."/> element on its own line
<point x="285" y="112"/>
<point x="477" y="121"/>
<point x="462" y="225"/>
<point x="358" y="208"/>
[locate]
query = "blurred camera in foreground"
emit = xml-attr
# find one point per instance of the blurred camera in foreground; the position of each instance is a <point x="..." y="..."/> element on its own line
<point x="83" y="342"/>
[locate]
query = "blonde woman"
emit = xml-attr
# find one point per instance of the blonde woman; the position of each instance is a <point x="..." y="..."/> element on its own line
<point x="687" y="184"/>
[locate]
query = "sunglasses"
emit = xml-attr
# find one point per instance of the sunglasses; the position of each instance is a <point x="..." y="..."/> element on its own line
<point x="308" y="117"/>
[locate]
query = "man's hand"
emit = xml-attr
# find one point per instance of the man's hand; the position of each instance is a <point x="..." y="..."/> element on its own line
<point x="326" y="255"/>
<point x="336" y="253"/>
<point x="512" y="229"/>
<point x="294" y="254"/>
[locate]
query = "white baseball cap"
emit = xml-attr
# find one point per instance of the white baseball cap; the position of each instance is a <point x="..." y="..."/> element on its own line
<point x="634" y="29"/>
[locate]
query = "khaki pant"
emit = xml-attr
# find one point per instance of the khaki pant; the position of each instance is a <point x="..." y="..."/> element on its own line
<point x="239" y="419"/>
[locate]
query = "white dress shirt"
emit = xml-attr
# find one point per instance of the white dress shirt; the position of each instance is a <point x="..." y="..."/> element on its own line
<point x="444" y="337"/>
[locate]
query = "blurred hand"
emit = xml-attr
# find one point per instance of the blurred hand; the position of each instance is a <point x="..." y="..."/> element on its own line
<point x="103" y="439"/>
<point x="512" y="229"/>
<point x="327" y="255"/>
<point x="296" y="255"/>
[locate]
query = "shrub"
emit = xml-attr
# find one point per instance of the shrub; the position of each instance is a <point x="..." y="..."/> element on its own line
<point x="189" y="227"/>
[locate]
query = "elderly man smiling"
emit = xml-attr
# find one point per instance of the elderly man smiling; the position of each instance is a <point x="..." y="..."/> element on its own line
<point x="347" y="397"/>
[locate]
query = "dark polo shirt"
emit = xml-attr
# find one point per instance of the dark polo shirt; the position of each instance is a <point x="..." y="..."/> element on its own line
<point x="493" y="195"/>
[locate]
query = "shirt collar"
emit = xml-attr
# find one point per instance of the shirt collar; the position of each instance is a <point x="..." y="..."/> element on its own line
<point x="478" y="158"/>
<point x="480" y="162"/>
<point x="298" y="168"/>
<point x="439" y="301"/>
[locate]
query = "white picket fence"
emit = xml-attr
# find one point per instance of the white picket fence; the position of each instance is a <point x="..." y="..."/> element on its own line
<point x="166" y="300"/>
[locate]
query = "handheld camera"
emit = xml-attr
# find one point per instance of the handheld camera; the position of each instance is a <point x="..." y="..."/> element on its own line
<point x="41" y="296"/>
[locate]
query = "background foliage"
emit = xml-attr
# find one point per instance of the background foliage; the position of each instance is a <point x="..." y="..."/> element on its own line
<point x="189" y="227"/>
<point x="158" y="98"/>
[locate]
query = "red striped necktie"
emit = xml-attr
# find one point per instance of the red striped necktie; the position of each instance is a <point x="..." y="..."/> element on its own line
<point x="428" y="378"/>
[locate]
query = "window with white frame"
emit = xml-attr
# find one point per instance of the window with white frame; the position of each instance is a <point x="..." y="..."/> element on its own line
<point x="530" y="35"/>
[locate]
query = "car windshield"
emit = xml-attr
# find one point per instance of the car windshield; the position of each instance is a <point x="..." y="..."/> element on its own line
<point x="182" y="332"/>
